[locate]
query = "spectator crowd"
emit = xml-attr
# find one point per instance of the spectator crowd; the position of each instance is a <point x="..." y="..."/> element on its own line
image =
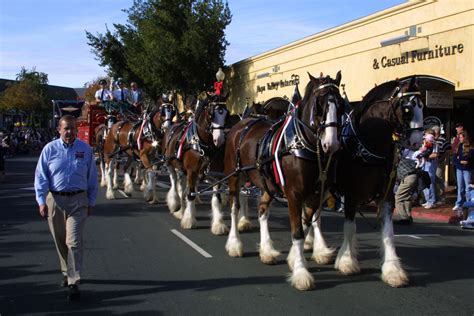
<point x="25" y="140"/>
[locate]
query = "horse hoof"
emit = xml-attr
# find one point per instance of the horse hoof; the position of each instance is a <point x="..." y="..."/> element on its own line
<point x="302" y="280"/>
<point x="323" y="256"/>
<point x="244" y="225"/>
<point x="348" y="266"/>
<point x="188" y="223"/>
<point x="234" y="249"/>
<point x="394" y="275"/>
<point x="269" y="260"/>
<point x="220" y="229"/>
<point x="268" y="255"/>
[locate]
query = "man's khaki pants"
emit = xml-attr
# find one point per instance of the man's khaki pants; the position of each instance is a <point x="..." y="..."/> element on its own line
<point x="403" y="196"/>
<point x="67" y="217"/>
<point x="440" y="180"/>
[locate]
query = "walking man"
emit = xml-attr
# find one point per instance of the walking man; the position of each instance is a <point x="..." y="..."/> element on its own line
<point x="66" y="190"/>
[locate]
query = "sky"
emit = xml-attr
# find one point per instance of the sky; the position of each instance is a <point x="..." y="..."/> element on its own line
<point x="49" y="35"/>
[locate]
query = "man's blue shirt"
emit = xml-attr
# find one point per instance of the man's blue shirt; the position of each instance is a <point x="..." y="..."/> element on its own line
<point x="66" y="168"/>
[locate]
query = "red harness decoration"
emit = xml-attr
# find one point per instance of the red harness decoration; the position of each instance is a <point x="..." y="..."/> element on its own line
<point x="179" y="154"/>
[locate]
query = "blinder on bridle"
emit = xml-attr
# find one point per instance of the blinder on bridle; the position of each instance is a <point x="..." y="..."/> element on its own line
<point x="217" y="108"/>
<point x="407" y="108"/>
<point x="321" y="111"/>
<point x="167" y="107"/>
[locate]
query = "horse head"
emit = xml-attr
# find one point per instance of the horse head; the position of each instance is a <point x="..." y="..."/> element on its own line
<point x="167" y="113"/>
<point x="323" y="108"/>
<point x="211" y="115"/>
<point x="407" y="106"/>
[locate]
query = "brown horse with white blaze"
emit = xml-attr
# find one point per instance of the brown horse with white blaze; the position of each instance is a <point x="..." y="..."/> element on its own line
<point x="137" y="140"/>
<point x="289" y="158"/>
<point x="189" y="148"/>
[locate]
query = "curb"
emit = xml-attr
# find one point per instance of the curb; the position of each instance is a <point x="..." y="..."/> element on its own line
<point x="435" y="217"/>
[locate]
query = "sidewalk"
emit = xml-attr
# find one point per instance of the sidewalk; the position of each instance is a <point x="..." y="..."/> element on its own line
<point x="442" y="213"/>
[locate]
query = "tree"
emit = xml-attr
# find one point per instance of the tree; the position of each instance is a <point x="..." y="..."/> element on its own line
<point x="28" y="93"/>
<point x="166" y="44"/>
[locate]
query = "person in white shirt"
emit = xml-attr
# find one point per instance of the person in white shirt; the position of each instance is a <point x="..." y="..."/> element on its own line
<point x="103" y="94"/>
<point x="121" y="94"/>
<point x="136" y="98"/>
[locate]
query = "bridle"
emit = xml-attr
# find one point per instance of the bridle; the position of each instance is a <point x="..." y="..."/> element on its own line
<point x="167" y="107"/>
<point x="331" y="97"/>
<point x="212" y="108"/>
<point x="407" y="109"/>
<point x="314" y="113"/>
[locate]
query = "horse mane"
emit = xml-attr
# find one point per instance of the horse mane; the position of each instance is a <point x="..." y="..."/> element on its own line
<point x="308" y="91"/>
<point x="380" y="92"/>
<point x="199" y="109"/>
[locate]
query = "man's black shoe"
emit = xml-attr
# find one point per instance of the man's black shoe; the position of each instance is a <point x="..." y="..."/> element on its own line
<point x="64" y="281"/>
<point x="74" y="293"/>
<point x="406" y="221"/>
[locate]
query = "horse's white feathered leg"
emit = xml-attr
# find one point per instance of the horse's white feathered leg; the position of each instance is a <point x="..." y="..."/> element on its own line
<point x="127" y="183"/>
<point x="346" y="261"/>
<point x="103" y="179"/>
<point x="244" y="220"/>
<point x="268" y="254"/>
<point x="109" y="195"/>
<point x="392" y="271"/>
<point x="322" y="254"/>
<point x="115" y="182"/>
<point x="234" y="246"/>
<point x="189" y="216"/>
<point x="300" y="278"/>
<point x="139" y="174"/>
<point x="172" y="197"/>
<point x="150" y="192"/>
<point x="309" y="232"/>
<point x="188" y="221"/>
<point x="218" y="226"/>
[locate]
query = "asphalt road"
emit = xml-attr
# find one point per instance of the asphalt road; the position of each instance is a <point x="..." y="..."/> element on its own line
<point x="135" y="263"/>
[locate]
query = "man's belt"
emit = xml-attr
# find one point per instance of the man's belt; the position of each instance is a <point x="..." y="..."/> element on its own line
<point x="62" y="193"/>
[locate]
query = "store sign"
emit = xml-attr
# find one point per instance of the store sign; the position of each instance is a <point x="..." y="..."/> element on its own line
<point x="439" y="100"/>
<point x="413" y="56"/>
<point x="274" y="85"/>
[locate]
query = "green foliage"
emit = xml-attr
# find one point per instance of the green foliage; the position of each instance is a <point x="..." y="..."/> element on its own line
<point x="28" y="93"/>
<point x="32" y="76"/>
<point x="166" y="44"/>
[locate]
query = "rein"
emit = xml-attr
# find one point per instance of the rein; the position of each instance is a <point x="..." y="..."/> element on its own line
<point x="322" y="178"/>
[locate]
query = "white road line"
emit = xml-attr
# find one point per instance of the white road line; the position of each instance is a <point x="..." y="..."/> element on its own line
<point x="28" y="189"/>
<point x="191" y="243"/>
<point x="417" y="236"/>
<point x="123" y="193"/>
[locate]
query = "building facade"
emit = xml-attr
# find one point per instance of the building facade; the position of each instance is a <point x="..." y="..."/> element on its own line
<point x="430" y="39"/>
